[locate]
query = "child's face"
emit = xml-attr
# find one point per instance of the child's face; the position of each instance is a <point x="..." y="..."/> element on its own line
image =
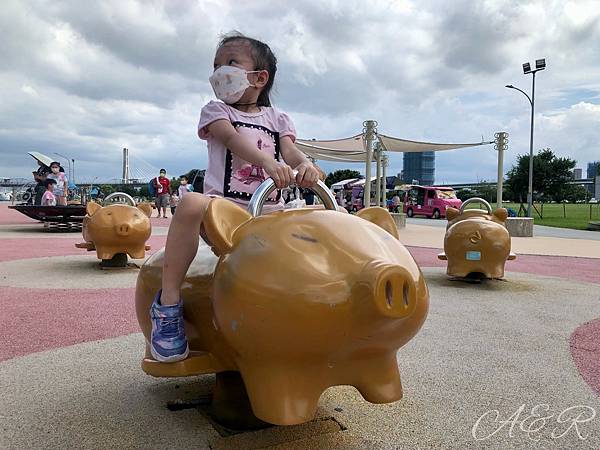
<point x="51" y="187"/>
<point x="238" y="53"/>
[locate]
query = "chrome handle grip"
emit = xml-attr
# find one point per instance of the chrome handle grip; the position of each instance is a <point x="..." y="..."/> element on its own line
<point x="476" y="200"/>
<point x="127" y="197"/>
<point x="263" y="191"/>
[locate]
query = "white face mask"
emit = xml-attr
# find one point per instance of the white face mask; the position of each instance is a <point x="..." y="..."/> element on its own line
<point x="55" y="169"/>
<point x="230" y="83"/>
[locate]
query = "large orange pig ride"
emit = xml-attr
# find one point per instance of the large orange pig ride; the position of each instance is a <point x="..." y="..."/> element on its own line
<point x="290" y="303"/>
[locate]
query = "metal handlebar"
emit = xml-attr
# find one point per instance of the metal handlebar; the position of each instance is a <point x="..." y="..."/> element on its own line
<point x="476" y="200"/>
<point x="263" y="191"/>
<point x="127" y="197"/>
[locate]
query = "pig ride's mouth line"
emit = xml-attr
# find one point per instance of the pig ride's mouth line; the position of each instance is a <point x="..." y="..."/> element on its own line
<point x="305" y="238"/>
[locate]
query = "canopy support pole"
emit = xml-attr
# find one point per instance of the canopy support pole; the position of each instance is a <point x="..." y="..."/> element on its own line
<point x="378" y="176"/>
<point x="369" y="131"/>
<point x="384" y="163"/>
<point x="501" y="145"/>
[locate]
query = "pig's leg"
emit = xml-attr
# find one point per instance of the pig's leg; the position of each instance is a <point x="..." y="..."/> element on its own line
<point x="138" y="252"/>
<point x="182" y="244"/>
<point x="284" y="394"/>
<point x="377" y="378"/>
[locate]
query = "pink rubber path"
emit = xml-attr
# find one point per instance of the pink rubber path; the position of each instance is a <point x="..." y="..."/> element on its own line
<point x="585" y="349"/>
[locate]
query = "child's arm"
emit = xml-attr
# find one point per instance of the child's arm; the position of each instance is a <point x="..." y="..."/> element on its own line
<point x="307" y="172"/>
<point x="223" y="131"/>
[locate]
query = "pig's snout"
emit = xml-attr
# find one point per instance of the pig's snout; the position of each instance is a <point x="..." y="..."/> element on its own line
<point x="123" y="229"/>
<point x="394" y="290"/>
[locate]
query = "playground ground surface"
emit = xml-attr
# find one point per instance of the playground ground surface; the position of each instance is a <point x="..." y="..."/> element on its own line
<point x="501" y="364"/>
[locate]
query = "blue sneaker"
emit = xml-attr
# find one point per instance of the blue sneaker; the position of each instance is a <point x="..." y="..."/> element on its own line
<point x="168" y="343"/>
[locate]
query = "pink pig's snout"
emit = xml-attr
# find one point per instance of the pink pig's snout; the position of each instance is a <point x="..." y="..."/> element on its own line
<point x="123" y="229"/>
<point x="394" y="290"/>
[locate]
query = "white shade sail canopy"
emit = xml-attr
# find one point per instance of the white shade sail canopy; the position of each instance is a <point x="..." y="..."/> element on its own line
<point x="367" y="147"/>
<point x="393" y="144"/>
<point x="46" y="160"/>
<point x="352" y="149"/>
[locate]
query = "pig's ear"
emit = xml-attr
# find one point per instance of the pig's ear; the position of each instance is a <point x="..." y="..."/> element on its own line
<point x="146" y="209"/>
<point x="92" y="208"/>
<point x="221" y="220"/>
<point x="501" y="214"/>
<point x="380" y="217"/>
<point x="452" y="213"/>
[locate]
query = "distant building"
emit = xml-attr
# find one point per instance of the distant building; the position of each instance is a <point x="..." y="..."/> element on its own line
<point x="420" y="167"/>
<point x="577" y="174"/>
<point x="592" y="169"/>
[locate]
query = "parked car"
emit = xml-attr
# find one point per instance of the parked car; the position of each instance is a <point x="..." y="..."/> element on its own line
<point x="430" y="201"/>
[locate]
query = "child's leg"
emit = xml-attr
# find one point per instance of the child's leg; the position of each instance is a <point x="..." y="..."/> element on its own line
<point x="182" y="244"/>
<point x="168" y="341"/>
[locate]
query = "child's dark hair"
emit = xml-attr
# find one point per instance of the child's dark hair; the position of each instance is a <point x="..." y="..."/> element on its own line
<point x="183" y="177"/>
<point x="264" y="59"/>
<point x="49" y="181"/>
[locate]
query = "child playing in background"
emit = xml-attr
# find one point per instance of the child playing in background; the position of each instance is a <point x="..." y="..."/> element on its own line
<point x="49" y="199"/>
<point x="61" y="191"/>
<point x="248" y="141"/>
<point x="184" y="187"/>
<point x="173" y="202"/>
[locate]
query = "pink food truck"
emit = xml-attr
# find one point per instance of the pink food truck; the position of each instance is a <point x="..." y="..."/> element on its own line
<point x="430" y="201"/>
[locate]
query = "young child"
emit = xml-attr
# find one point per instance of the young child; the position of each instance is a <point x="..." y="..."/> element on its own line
<point x="173" y="202"/>
<point x="184" y="187"/>
<point x="248" y="141"/>
<point x="61" y="190"/>
<point x="49" y="199"/>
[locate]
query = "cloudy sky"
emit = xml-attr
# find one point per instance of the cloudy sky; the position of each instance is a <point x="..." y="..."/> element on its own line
<point x="86" y="79"/>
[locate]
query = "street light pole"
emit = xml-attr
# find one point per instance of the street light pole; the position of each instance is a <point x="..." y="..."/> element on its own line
<point x="540" y="64"/>
<point x="530" y="185"/>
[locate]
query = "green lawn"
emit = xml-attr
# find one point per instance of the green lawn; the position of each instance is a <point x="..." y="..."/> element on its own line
<point x="567" y="215"/>
<point x="560" y="215"/>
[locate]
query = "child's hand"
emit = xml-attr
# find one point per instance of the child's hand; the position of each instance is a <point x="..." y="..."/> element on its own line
<point x="280" y="172"/>
<point x="308" y="174"/>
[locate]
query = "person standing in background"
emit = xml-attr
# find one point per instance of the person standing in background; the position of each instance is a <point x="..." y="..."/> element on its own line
<point x="40" y="178"/>
<point x="61" y="190"/>
<point x="162" y="185"/>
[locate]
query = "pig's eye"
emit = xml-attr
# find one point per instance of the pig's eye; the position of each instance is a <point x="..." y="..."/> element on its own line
<point x="109" y="214"/>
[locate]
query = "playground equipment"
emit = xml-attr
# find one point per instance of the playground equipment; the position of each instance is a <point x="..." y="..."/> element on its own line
<point x="477" y="243"/>
<point x="289" y="304"/>
<point x="116" y="230"/>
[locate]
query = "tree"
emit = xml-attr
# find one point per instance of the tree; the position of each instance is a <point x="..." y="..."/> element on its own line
<point x="196" y="179"/>
<point x="106" y="189"/>
<point x="551" y="175"/>
<point x="483" y="190"/>
<point x="175" y="184"/>
<point x="576" y="193"/>
<point x="144" y="191"/>
<point x="340" y="175"/>
<point x="127" y="189"/>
